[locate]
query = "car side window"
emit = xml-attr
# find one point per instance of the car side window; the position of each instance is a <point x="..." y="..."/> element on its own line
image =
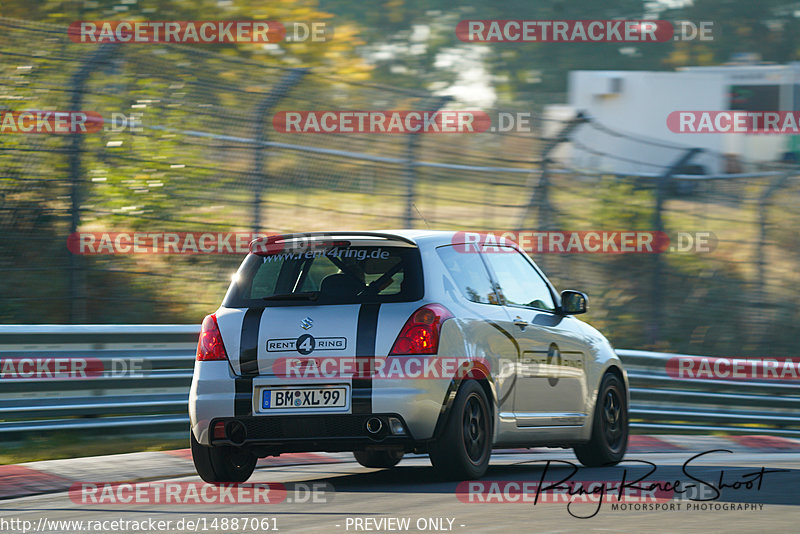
<point x="469" y="273"/>
<point x="520" y="284"/>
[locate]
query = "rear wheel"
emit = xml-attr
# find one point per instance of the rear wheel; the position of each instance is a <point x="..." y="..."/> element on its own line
<point x="610" y="426"/>
<point x="379" y="458"/>
<point x="222" y="464"/>
<point x="462" y="451"/>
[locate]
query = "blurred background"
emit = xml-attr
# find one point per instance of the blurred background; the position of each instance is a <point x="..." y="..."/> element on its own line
<point x="207" y="158"/>
<point x="597" y="156"/>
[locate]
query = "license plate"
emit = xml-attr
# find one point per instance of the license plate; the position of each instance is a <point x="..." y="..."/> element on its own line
<point x="285" y="398"/>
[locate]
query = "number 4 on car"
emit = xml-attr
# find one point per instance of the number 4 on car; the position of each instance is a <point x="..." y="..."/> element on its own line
<point x="386" y="343"/>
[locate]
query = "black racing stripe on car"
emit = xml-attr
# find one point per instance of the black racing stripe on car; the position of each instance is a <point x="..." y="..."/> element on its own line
<point x="366" y="334"/>
<point x="248" y="344"/>
<point x="242" y="401"/>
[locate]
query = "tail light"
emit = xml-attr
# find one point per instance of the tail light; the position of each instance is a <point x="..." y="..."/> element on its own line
<point x="210" y="346"/>
<point x="420" y="334"/>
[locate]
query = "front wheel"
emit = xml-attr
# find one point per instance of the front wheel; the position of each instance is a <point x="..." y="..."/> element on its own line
<point x="222" y="464"/>
<point x="462" y="451"/>
<point x="609" y="428"/>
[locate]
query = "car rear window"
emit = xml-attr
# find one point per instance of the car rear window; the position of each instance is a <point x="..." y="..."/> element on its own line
<point x="329" y="275"/>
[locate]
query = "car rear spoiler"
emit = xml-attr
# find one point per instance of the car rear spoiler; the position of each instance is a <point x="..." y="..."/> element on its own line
<point x="272" y="244"/>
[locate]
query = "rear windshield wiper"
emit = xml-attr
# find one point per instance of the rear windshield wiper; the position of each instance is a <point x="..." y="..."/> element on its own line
<point x="308" y="295"/>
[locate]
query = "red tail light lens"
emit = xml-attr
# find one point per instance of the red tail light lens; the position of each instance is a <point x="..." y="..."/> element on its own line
<point x="210" y="346"/>
<point x="420" y="334"/>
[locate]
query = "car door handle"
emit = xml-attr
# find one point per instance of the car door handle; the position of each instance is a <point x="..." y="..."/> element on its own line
<point x="520" y="322"/>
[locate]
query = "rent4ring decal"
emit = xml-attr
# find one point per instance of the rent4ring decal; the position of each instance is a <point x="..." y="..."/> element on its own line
<point x="306" y="344"/>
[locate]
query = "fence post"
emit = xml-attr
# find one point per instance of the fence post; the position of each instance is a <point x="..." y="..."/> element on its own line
<point x="410" y="174"/>
<point x="540" y="193"/>
<point x="657" y="287"/>
<point x="264" y="107"/>
<point x="761" y="263"/>
<point x="411" y="163"/>
<point x="77" y="84"/>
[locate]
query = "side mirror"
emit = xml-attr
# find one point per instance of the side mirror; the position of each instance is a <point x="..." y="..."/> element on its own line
<point x="573" y="302"/>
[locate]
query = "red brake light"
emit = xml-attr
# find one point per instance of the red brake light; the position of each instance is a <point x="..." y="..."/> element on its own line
<point x="210" y="346"/>
<point x="420" y="334"/>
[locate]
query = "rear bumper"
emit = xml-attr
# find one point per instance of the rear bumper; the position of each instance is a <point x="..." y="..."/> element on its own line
<point x="304" y="433"/>
<point x="218" y="395"/>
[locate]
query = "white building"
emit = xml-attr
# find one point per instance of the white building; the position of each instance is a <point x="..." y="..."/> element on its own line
<point x="637" y="103"/>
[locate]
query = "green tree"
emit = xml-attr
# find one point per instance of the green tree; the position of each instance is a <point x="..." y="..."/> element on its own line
<point x="335" y="56"/>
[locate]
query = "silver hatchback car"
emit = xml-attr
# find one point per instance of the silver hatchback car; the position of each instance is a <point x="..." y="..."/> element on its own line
<point x="383" y="343"/>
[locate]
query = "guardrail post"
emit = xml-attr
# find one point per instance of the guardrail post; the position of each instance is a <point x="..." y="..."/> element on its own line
<point x="657" y="291"/>
<point x="411" y="163"/>
<point x="263" y="108"/>
<point x="77" y="84"/>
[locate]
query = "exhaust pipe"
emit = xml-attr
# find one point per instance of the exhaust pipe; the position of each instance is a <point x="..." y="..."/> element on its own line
<point x="236" y="432"/>
<point x="374" y="425"/>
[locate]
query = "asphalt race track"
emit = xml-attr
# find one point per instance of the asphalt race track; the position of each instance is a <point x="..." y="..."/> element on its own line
<point x="409" y="498"/>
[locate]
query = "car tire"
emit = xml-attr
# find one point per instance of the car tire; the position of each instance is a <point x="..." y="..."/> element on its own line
<point x="221" y="464"/>
<point x="463" y="450"/>
<point x="609" y="439"/>
<point x="378" y="459"/>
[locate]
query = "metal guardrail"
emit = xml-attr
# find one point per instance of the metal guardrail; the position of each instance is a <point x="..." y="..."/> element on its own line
<point x="662" y="403"/>
<point x="155" y="400"/>
<point x="124" y="401"/>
